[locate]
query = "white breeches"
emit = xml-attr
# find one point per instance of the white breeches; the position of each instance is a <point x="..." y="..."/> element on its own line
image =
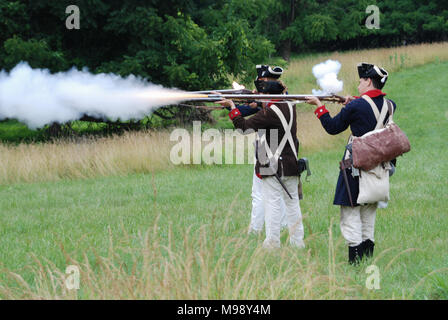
<point x="257" y="215"/>
<point x="358" y="223"/>
<point x="273" y="194"/>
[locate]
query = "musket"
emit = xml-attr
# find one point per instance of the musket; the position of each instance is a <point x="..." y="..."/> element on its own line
<point x="225" y="91"/>
<point x="283" y="185"/>
<point x="193" y="96"/>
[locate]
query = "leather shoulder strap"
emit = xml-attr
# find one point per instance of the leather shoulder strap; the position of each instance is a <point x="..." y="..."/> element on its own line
<point x="373" y="105"/>
<point x="379" y="117"/>
<point x="390" y="107"/>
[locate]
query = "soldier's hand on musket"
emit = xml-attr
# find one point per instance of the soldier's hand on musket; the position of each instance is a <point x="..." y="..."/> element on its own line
<point x="313" y="100"/>
<point x="227" y="103"/>
<point x="348" y="99"/>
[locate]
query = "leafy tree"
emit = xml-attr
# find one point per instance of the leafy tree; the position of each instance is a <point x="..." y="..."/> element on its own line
<point x="36" y="53"/>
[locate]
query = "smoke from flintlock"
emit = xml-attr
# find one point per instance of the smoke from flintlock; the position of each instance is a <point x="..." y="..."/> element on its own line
<point x="36" y="97"/>
<point x="326" y="74"/>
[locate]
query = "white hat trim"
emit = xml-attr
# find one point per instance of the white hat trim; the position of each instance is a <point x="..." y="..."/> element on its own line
<point x="275" y="72"/>
<point x="383" y="76"/>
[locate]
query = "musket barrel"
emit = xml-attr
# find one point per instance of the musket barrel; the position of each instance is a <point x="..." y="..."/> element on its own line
<point x="290" y="97"/>
<point x="228" y="91"/>
<point x="269" y="96"/>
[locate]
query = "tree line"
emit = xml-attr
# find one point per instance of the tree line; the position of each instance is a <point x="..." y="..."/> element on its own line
<point x="195" y="44"/>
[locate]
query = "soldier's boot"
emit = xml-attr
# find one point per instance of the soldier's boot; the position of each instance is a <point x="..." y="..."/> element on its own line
<point x="368" y="246"/>
<point x="355" y="254"/>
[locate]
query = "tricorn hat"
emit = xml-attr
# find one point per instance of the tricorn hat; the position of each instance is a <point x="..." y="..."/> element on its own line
<point x="367" y="70"/>
<point x="265" y="71"/>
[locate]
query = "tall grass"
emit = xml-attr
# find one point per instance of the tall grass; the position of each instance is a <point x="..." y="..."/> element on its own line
<point x="76" y="159"/>
<point x="182" y="234"/>
<point x="205" y="264"/>
<point x="133" y="152"/>
<point x="218" y="260"/>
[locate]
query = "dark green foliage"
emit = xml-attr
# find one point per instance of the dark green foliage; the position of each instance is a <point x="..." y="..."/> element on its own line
<point x="35" y="52"/>
<point x="186" y="44"/>
<point x="317" y="25"/>
<point x="194" y="44"/>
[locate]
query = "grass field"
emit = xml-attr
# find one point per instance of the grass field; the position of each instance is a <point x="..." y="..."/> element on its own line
<point x="181" y="233"/>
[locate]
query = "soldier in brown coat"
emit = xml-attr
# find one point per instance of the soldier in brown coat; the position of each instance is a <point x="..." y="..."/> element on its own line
<point x="277" y="158"/>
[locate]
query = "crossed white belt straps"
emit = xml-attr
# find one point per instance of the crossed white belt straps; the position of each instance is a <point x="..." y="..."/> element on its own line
<point x="286" y="138"/>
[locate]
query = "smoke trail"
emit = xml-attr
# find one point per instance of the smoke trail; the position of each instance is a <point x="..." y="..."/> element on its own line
<point x="36" y="97"/>
<point x="326" y="74"/>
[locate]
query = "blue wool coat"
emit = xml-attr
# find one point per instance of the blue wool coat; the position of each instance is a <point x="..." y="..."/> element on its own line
<point x="246" y="110"/>
<point x="357" y="115"/>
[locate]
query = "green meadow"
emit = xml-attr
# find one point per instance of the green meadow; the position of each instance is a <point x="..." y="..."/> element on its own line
<point x="182" y="233"/>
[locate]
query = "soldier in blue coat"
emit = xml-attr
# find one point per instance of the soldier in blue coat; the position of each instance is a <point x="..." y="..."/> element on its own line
<point x="357" y="221"/>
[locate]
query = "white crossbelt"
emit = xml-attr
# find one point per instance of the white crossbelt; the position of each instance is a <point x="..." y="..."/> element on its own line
<point x="379" y="117"/>
<point x="286" y="138"/>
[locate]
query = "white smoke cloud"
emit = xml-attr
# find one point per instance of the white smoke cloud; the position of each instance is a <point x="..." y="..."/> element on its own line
<point x="326" y="74"/>
<point x="36" y="97"/>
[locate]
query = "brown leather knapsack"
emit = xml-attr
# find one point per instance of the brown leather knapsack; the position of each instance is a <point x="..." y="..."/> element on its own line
<point x="379" y="145"/>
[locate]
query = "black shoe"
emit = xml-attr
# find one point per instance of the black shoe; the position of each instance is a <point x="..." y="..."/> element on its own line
<point x="368" y="246"/>
<point x="355" y="254"/>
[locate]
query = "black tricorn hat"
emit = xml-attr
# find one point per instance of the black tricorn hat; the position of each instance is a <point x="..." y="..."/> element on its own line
<point x="265" y="71"/>
<point x="367" y="70"/>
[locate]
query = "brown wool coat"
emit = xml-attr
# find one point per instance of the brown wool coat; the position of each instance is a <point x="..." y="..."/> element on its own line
<point x="268" y="119"/>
